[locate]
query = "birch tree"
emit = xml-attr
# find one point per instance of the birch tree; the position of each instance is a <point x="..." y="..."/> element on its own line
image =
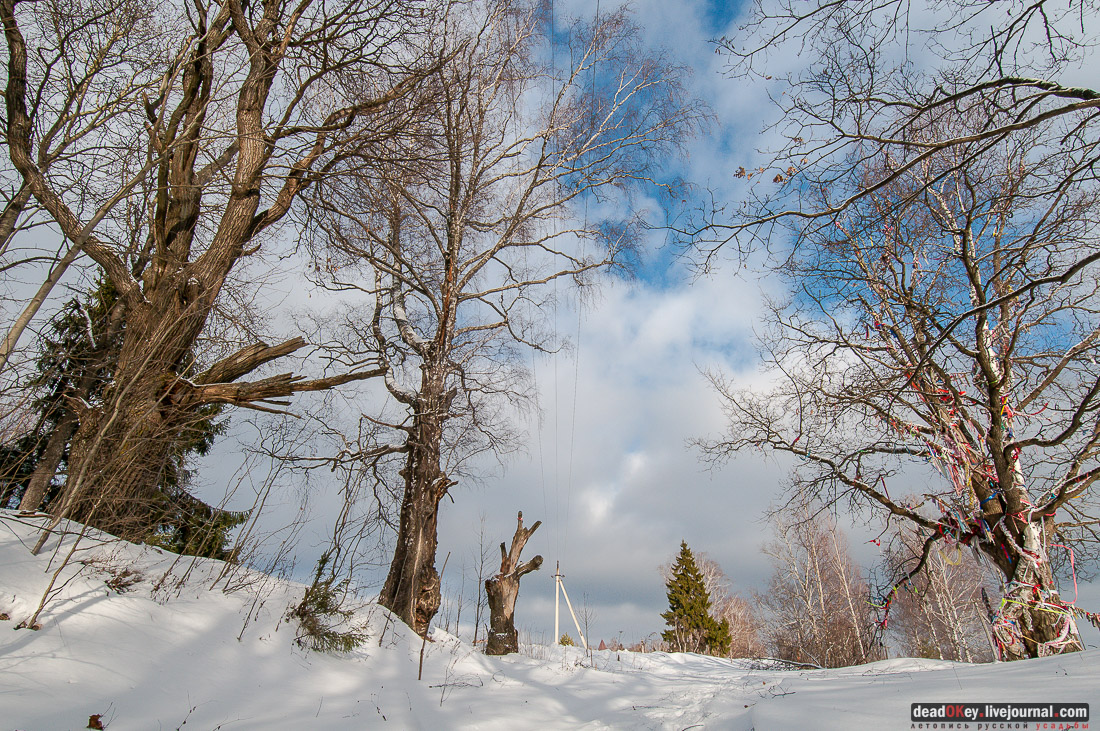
<point x="940" y="613"/>
<point x="458" y="240"/>
<point x="816" y="601"/>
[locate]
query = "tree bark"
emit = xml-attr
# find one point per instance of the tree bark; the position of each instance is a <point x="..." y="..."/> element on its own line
<point x="1033" y="621"/>
<point x="412" y="589"/>
<point x="121" y="447"/>
<point x="503" y="590"/>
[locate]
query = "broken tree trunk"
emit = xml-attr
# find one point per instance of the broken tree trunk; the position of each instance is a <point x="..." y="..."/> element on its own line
<point x="503" y="589"/>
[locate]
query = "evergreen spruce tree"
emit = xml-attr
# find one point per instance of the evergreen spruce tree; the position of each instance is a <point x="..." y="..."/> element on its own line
<point x="691" y="626"/>
<point x="76" y="361"/>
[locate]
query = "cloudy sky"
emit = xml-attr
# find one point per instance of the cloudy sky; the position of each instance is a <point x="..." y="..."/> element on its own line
<point x="608" y="468"/>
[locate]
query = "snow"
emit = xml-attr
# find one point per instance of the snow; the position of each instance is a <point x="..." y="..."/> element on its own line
<point x="166" y="654"/>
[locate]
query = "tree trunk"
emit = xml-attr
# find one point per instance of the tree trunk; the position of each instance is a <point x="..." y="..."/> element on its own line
<point x="120" y="448"/>
<point x="503" y="589"/>
<point x="46" y="468"/>
<point x="7" y="346"/>
<point x="412" y="590"/>
<point x="1033" y="620"/>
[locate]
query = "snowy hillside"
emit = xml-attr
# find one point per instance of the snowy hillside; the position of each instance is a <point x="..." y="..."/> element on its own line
<point x="155" y="653"/>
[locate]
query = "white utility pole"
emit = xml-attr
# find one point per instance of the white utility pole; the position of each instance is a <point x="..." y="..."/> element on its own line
<point x="557" y="593"/>
<point x="559" y="585"/>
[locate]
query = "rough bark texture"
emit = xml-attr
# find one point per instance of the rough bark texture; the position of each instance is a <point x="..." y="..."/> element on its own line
<point x="1033" y="621"/>
<point x="412" y="590"/>
<point x="120" y="448"/>
<point x="503" y="590"/>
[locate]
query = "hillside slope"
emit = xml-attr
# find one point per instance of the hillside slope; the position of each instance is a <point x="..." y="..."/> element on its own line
<point x="167" y="651"/>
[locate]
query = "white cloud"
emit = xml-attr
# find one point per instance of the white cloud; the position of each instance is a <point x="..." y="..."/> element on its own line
<point x="618" y="503"/>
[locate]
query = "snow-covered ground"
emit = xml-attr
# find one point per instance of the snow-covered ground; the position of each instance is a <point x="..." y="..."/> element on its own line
<point x="166" y="654"/>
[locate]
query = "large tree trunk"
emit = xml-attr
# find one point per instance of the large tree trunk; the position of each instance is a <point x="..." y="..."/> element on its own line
<point x="503" y="589"/>
<point x="412" y="590"/>
<point x="121" y="448"/>
<point x="1033" y="620"/>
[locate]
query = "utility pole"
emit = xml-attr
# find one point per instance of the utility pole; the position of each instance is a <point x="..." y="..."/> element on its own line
<point x="557" y="593"/>
<point x="559" y="586"/>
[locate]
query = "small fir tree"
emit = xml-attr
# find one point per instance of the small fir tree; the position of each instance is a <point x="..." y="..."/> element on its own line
<point x="324" y="623"/>
<point x="691" y="626"/>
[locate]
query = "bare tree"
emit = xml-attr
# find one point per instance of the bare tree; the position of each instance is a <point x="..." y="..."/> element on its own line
<point x="817" y="599"/>
<point x="502" y="591"/>
<point x="869" y="79"/>
<point x="78" y="96"/>
<point x="943" y="336"/>
<point x="457" y="239"/>
<point x="481" y="574"/>
<point x="746" y="626"/>
<point x="940" y="613"/>
<point x="245" y="108"/>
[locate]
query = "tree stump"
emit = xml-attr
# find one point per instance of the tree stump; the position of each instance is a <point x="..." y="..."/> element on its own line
<point x="502" y="591"/>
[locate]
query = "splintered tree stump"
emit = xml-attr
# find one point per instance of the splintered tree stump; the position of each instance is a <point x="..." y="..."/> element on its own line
<point x="502" y="591"/>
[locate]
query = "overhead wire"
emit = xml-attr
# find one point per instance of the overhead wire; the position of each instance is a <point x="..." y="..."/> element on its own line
<point x="577" y="354"/>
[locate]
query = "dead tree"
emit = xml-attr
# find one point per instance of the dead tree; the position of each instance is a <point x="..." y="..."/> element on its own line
<point x="503" y="590"/>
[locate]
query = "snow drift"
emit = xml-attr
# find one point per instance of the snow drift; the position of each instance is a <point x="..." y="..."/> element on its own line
<point x="146" y="639"/>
